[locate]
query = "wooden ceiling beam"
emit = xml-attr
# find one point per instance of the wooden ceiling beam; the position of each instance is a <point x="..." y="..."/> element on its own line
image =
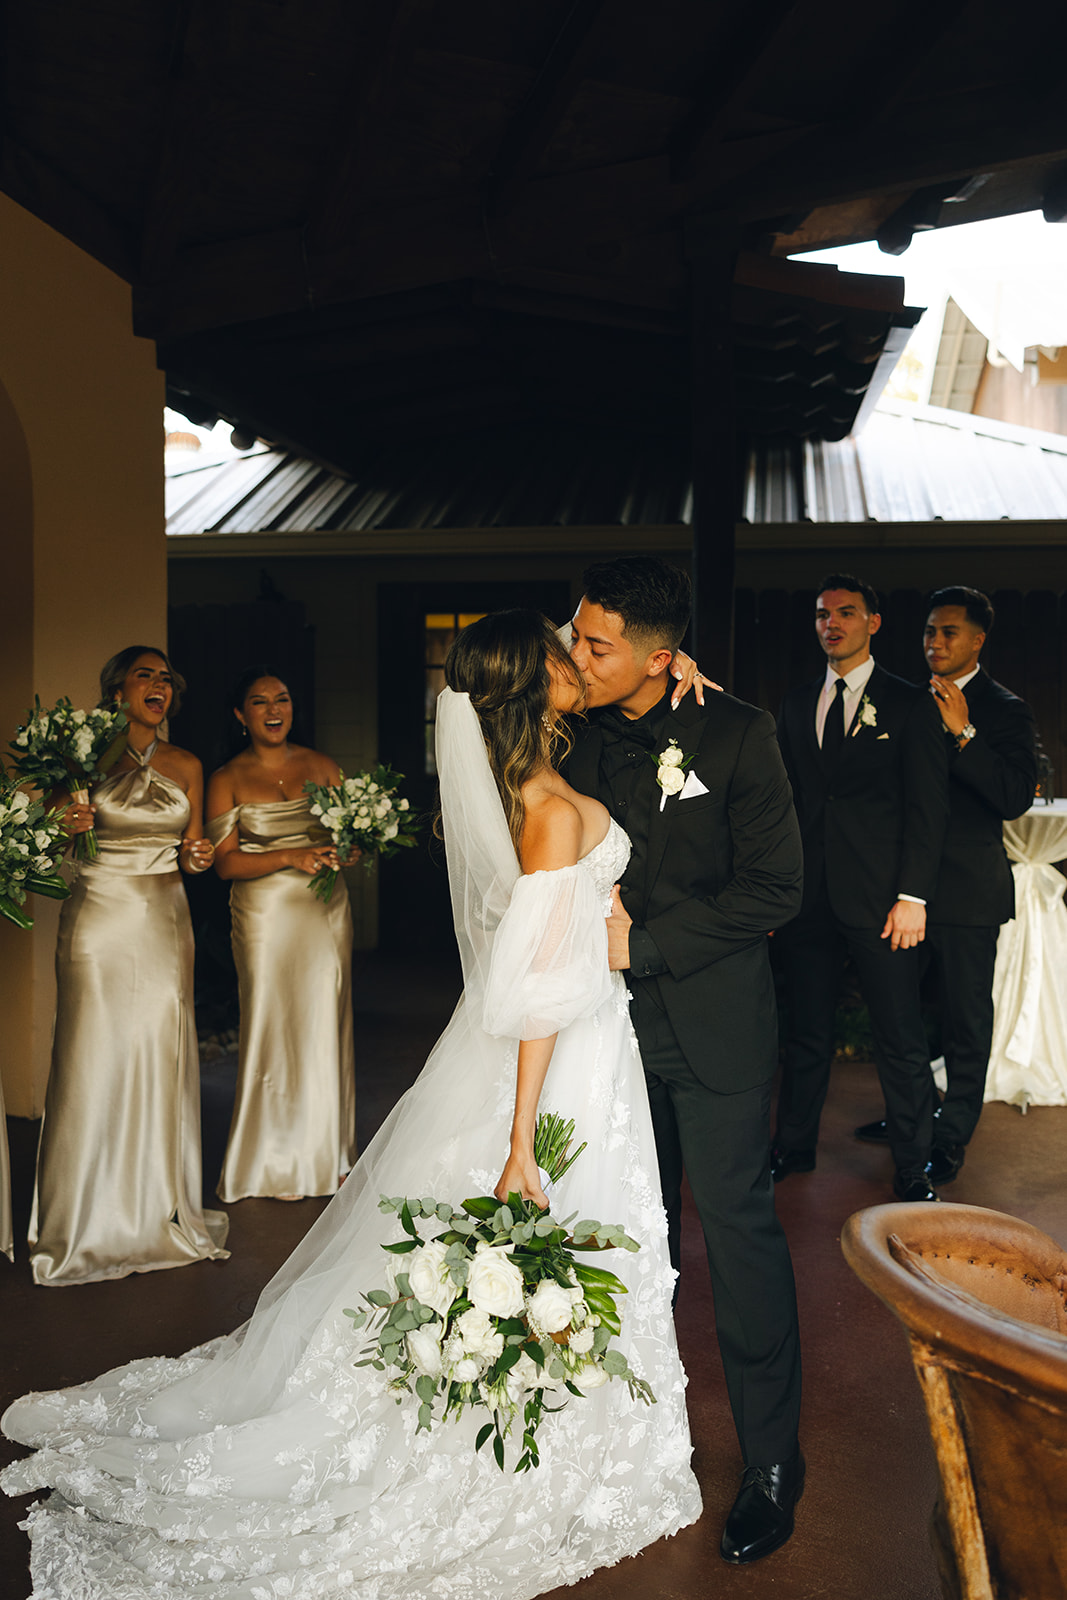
<point x="396" y="28"/>
<point x="729" y="82"/>
<point x="169" y="189"/>
<point x="533" y="125"/>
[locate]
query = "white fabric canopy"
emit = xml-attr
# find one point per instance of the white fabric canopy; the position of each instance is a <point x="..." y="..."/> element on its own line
<point x="1028" y="1061"/>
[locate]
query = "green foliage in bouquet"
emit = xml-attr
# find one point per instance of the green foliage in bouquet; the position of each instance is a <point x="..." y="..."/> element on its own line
<point x="32" y="842"/>
<point x="496" y="1310"/>
<point x="62" y="748"/>
<point x="362" y="813"/>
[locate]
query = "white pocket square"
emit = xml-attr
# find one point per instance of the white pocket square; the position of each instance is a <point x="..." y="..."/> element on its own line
<point x="883" y="736"/>
<point x="691" y="787"/>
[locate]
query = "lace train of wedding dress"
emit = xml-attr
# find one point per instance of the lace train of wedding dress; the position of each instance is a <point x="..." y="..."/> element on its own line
<point x="267" y="1464"/>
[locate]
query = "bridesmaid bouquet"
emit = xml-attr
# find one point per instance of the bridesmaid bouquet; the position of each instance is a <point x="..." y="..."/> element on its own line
<point x="67" y="749"/>
<point x="496" y="1310"/>
<point x="32" y="842"/>
<point x="361" y="813"/>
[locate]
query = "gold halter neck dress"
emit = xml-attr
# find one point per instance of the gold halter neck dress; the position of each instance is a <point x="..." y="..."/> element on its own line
<point x="118" y="1169"/>
<point x="294" y="1120"/>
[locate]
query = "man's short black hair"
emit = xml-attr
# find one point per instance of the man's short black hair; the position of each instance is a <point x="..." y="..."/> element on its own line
<point x="653" y="599"/>
<point x="854" y="585"/>
<point x="978" y="606"/>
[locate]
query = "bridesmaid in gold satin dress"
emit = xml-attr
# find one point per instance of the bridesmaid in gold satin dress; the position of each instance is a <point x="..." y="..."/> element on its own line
<point x="118" y="1167"/>
<point x="294" y="1121"/>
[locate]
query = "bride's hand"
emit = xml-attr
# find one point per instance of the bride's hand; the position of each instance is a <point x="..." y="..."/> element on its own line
<point x="520" y="1176"/>
<point x="689" y="676"/>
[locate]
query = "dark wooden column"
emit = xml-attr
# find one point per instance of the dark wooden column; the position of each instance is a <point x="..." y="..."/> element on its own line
<point x="712" y="245"/>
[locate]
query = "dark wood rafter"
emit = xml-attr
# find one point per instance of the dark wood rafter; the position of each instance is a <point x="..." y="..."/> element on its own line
<point x="739" y="56"/>
<point x="169" y="186"/>
<point x="537" y="119"/>
<point x="713" y="244"/>
<point x="395" y="29"/>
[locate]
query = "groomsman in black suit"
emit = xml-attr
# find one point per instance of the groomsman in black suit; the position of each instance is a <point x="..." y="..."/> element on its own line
<point x="865" y="753"/>
<point x="989" y="736"/>
<point x="715" y="865"/>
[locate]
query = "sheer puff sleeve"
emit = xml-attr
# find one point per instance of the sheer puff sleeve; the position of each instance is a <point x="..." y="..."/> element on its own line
<point x="550" y="956"/>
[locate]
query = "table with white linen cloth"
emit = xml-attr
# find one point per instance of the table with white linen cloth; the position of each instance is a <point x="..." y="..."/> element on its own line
<point x="1028" y="1061"/>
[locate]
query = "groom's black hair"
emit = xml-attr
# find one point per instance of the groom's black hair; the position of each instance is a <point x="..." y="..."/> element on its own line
<point x="853" y="585"/>
<point x="653" y="599"/>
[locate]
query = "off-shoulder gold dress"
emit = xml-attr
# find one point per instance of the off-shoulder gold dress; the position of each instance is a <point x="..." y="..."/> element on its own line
<point x="118" y="1170"/>
<point x="294" y="1121"/>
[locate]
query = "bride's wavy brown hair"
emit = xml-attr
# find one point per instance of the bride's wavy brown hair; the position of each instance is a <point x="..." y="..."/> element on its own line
<point x="500" y="661"/>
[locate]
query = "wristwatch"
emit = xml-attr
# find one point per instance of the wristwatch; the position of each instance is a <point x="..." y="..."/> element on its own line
<point x="965" y="735"/>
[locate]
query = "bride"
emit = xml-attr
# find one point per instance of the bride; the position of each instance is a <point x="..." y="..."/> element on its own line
<point x="266" y="1463"/>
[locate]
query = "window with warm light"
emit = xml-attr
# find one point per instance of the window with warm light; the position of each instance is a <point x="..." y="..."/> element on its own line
<point x="440" y="630"/>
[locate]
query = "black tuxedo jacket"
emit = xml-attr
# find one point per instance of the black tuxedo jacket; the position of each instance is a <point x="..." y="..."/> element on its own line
<point x="721" y="871"/>
<point x="873" y="829"/>
<point x="991" y="780"/>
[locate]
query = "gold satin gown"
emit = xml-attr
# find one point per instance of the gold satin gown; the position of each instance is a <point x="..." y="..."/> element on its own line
<point x="118" y="1169"/>
<point x="7" y="1234"/>
<point x="294" y="1120"/>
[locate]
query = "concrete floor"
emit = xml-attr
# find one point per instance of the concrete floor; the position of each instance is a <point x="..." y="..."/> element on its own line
<point x="862" y="1525"/>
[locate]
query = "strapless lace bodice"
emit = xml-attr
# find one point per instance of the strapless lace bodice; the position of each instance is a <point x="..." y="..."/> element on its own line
<point x="607" y="861"/>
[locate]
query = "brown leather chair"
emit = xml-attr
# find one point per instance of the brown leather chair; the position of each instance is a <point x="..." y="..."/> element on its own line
<point x="983" y="1297"/>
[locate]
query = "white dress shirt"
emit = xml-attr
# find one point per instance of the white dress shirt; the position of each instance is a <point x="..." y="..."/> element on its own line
<point x="855" y="683"/>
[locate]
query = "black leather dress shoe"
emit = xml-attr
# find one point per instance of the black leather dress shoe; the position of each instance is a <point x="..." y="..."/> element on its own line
<point x="911" y="1186"/>
<point x="945" y="1161"/>
<point x="783" y="1162"/>
<point x="878" y="1132"/>
<point x="762" y="1514"/>
<point x="872" y="1132"/>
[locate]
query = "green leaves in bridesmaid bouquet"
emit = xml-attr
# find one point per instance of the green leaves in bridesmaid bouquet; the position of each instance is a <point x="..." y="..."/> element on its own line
<point x="32" y="842"/>
<point x="363" y="815"/>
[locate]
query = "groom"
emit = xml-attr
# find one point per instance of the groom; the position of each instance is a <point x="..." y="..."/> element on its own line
<point x="716" y="865"/>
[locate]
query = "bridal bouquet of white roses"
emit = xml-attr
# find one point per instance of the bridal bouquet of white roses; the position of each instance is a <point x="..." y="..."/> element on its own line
<point x="497" y="1310"/>
<point x="62" y="748"/>
<point x="363" y="813"/>
<point x="32" y="842"/>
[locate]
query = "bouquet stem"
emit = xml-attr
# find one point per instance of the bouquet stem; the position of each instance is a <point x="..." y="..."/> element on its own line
<point x="86" y="846"/>
<point x="322" y="883"/>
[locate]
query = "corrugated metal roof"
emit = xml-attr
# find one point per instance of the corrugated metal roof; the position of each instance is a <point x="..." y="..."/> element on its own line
<point x="913" y="465"/>
<point x="908" y="465"/>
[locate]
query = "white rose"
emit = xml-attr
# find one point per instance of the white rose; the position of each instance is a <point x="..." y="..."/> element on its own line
<point x="671" y="757"/>
<point x="495" y="1283"/>
<point x="402" y="805"/>
<point x="591" y="1377"/>
<point x="549" y="1307"/>
<point x="479" y="1336"/>
<point x="78" y="718"/>
<point x="391" y="831"/>
<point x="424" y="1348"/>
<point x="671" y="779"/>
<point x="429" y="1277"/>
<point x="582" y="1341"/>
<point x="524" y="1375"/>
<point x="466" y="1371"/>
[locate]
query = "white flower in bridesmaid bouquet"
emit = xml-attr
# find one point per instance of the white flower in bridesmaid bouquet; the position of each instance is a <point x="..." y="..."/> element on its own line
<point x="359" y="815"/>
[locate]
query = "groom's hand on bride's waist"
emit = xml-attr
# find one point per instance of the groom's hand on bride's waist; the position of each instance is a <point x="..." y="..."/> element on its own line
<point x="619" y="925"/>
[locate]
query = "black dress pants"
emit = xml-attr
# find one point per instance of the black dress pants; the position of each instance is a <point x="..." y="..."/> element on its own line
<point x="963" y="959"/>
<point x="812" y="952"/>
<point x="721" y="1143"/>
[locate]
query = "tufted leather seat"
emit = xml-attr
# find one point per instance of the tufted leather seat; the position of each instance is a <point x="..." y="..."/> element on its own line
<point x="983" y="1298"/>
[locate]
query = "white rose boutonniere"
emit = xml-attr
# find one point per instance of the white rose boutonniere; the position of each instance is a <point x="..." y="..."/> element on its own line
<point x="867" y="717"/>
<point x="670" y="770"/>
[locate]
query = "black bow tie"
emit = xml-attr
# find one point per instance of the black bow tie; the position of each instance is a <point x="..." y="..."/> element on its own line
<point x="618" y="726"/>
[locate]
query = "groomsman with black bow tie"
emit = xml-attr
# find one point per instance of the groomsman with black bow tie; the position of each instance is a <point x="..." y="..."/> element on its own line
<point x="989" y="736"/>
<point x="866" y="757"/>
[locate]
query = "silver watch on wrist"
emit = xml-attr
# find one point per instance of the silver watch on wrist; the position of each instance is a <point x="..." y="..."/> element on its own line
<point x="965" y="735"/>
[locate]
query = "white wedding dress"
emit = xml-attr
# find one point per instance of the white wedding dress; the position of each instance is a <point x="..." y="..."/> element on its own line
<point x="267" y="1464"/>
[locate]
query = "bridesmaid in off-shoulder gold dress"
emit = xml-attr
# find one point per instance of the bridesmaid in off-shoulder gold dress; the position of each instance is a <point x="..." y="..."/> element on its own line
<point x="294" y="1122"/>
<point x="118" y="1168"/>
